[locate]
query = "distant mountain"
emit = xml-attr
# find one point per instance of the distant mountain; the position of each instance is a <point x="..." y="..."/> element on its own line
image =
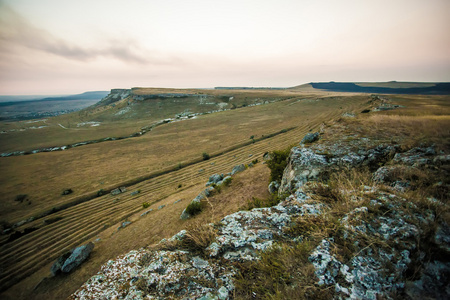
<point x="392" y="87"/>
<point x="27" y="107"/>
<point x="18" y="100"/>
<point x="84" y="96"/>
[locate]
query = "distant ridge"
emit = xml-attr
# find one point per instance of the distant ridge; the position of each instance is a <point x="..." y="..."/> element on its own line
<point x="247" y="88"/>
<point x="96" y="95"/>
<point x="84" y="96"/>
<point x="442" y="88"/>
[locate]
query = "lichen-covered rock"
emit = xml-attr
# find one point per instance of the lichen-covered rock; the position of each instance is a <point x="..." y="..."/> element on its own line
<point x="158" y="275"/>
<point x="306" y="164"/>
<point x="415" y="157"/>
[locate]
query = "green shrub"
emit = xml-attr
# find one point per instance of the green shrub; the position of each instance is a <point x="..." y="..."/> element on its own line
<point x="21" y="197"/>
<point x="100" y="193"/>
<point x="205" y="156"/>
<point x="194" y="208"/>
<point x="278" y="163"/>
<point x="227" y="182"/>
<point x="145" y="204"/>
<point x="255" y="161"/>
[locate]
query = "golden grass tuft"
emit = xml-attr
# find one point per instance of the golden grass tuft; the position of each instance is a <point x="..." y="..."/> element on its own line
<point x="284" y="272"/>
<point x="198" y="236"/>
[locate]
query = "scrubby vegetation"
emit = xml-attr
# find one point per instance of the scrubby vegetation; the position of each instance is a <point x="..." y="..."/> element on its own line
<point x="228" y="181"/>
<point x="277" y="163"/>
<point x="205" y="156"/>
<point x="194" y="208"/>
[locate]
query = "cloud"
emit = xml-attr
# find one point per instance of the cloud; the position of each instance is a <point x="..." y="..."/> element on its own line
<point x="16" y="31"/>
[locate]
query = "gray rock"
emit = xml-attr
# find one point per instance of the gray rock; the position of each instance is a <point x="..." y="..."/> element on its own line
<point x="179" y="236"/>
<point x="214" y="179"/>
<point x="78" y="256"/>
<point x="310" y="138"/>
<point x="147" y="212"/>
<point x="237" y="169"/>
<point x="124" y="224"/>
<point x="184" y="215"/>
<point x="57" y="265"/>
<point x="134" y="193"/>
<point x="273" y="187"/>
<point x="118" y="191"/>
<point x="161" y="207"/>
<point x="442" y="237"/>
<point x="434" y="282"/>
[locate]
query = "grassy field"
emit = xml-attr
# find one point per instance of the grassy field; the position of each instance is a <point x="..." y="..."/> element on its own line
<point x="87" y="169"/>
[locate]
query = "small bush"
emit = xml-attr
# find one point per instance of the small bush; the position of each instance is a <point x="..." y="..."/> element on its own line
<point x="100" y="192"/>
<point x="21" y="197"/>
<point x="278" y="163"/>
<point x="194" y="208"/>
<point x="255" y="161"/>
<point x="145" y="204"/>
<point x="180" y="186"/>
<point x="227" y="182"/>
<point x="205" y="156"/>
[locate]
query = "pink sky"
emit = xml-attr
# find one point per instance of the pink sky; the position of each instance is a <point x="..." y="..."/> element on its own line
<point x="63" y="47"/>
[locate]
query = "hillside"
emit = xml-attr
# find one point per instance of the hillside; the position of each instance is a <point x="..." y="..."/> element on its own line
<point x="165" y="168"/>
<point x="361" y="217"/>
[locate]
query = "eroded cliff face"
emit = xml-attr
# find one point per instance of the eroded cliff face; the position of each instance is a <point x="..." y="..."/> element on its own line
<point x="360" y="203"/>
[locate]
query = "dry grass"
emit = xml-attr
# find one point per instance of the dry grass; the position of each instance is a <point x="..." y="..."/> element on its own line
<point x="199" y="236"/>
<point x="145" y="231"/>
<point x="283" y="272"/>
<point x="99" y="166"/>
<point x="415" y="130"/>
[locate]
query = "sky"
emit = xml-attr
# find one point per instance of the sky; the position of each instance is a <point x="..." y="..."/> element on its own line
<point x="66" y="47"/>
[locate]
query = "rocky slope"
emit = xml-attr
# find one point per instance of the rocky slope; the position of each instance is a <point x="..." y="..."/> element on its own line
<point x="375" y="215"/>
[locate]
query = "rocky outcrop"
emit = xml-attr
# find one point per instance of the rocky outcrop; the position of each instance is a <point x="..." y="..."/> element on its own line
<point x="375" y="241"/>
<point x="215" y="179"/>
<point x="114" y="96"/>
<point x="318" y="161"/>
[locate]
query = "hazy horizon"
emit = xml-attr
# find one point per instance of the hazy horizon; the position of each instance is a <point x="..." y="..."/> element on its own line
<point x="51" y="47"/>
